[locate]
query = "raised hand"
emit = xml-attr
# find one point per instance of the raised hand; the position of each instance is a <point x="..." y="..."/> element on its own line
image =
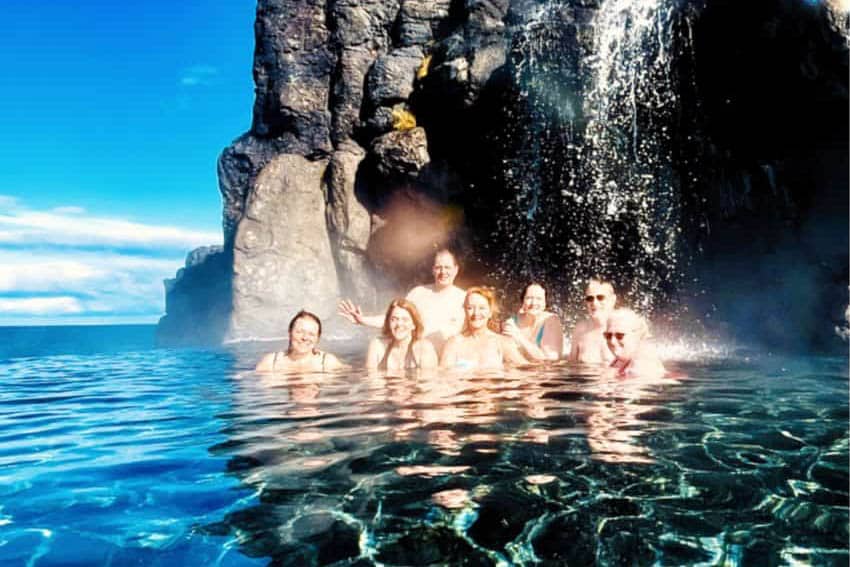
<point x="350" y="311"/>
<point x="510" y="329"/>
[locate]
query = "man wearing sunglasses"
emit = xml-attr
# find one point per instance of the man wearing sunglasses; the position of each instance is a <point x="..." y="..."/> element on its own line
<point x="587" y="345"/>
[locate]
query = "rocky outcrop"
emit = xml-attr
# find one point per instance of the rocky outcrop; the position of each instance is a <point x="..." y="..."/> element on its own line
<point x="382" y="127"/>
<point x="282" y="260"/>
<point x="326" y="148"/>
<point x="197" y="300"/>
<point x="349" y="224"/>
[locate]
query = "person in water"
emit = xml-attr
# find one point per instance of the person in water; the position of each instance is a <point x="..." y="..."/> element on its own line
<point x="587" y="344"/>
<point x="479" y="345"/>
<point x="440" y="304"/>
<point x="627" y="335"/>
<point x="537" y="332"/>
<point x="401" y="346"/>
<point x="302" y="355"/>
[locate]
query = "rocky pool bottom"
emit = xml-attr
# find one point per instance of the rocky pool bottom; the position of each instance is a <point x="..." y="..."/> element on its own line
<point x="166" y="457"/>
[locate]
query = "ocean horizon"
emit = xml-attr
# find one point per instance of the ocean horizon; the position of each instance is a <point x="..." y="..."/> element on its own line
<point x="50" y="340"/>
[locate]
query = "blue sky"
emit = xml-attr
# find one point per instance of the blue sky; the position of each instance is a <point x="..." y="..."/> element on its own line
<point x="114" y="115"/>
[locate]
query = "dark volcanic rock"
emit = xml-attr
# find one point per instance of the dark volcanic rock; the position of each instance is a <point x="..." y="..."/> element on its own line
<point x="401" y="153"/>
<point x="419" y="20"/>
<point x="349" y="223"/>
<point x="757" y="147"/>
<point x="197" y="300"/>
<point x="292" y="72"/>
<point x="390" y="80"/>
<point x="282" y="260"/>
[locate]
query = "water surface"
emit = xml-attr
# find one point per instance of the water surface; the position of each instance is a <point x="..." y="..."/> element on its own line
<point x="163" y="457"/>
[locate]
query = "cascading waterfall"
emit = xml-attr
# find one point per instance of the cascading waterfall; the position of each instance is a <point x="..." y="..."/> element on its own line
<point x="630" y="185"/>
<point x="589" y="167"/>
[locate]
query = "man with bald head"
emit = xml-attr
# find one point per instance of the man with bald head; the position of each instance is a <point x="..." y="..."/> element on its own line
<point x="440" y="304"/>
<point x="587" y="344"/>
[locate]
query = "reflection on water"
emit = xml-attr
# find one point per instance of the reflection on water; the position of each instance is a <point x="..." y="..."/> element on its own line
<point x="729" y="463"/>
<point x="161" y="457"/>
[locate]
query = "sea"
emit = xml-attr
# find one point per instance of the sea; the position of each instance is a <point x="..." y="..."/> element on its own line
<point x="116" y="452"/>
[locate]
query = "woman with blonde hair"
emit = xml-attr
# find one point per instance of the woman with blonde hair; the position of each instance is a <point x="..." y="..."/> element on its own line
<point x="627" y="335"/>
<point x="479" y="344"/>
<point x="401" y="345"/>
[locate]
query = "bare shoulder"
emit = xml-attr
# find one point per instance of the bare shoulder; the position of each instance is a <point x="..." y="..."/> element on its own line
<point x="418" y="291"/>
<point x="552" y="319"/>
<point x="266" y="363"/>
<point x="581" y="327"/>
<point x="332" y="362"/>
<point x="452" y="343"/>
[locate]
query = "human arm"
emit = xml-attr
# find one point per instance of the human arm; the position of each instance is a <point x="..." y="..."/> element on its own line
<point x="552" y="343"/>
<point x="352" y="313"/>
<point x="375" y="353"/>
<point x="532" y="352"/>
<point x="511" y="355"/>
<point x="575" y="339"/>
<point x="331" y="362"/>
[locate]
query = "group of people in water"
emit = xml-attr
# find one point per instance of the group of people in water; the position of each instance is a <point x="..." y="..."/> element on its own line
<point x="441" y="325"/>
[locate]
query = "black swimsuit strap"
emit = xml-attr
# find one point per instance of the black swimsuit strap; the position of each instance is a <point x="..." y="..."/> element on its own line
<point x="409" y="356"/>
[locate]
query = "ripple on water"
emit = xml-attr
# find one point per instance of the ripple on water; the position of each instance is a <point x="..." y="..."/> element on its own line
<point x="168" y="458"/>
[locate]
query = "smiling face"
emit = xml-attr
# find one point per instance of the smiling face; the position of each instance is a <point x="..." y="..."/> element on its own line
<point x="303" y="336"/>
<point x="478" y="311"/>
<point x="445" y="270"/>
<point x="624" y="332"/>
<point x="534" y="300"/>
<point x="400" y="324"/>
<point x="599" y="298"/>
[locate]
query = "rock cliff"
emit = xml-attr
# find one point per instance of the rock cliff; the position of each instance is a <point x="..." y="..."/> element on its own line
<point x="367" y="110"/>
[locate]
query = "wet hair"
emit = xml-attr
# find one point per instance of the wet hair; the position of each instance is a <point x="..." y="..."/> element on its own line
<point x="487" y="293"/>
<point x="525" y="290"/>
<point x="418" y="327"/>
<point x="440" y="251"/>
<point x="640" y="323"/>
<point x="303" y="314"/>
<point x="605" y="282"/>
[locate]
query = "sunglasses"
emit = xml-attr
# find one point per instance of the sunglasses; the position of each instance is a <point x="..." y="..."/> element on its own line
<point x="619" y="336"/>
<point x="589" y="298"/>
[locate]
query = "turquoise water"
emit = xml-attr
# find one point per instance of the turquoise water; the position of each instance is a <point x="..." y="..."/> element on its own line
<point x="123" y="454"/>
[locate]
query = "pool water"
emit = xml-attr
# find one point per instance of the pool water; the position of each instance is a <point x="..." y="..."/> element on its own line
<point x="148" y="456"/>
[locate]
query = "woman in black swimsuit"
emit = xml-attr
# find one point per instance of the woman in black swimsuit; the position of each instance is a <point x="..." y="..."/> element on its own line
<point x="401" y="346"/>
<point x="305" y="330"/>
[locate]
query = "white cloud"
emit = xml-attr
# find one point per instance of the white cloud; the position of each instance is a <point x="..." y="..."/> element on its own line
<point x="40" y="306"/>
<point x="63" y="263"/>
<point x="44" y="272"/>
<point x="199" y="75"/>
<point x="8" y="202"/>
<point x="68" y="210"/>
<point x="69" y="226"/>
<point x="105" y="283"/>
